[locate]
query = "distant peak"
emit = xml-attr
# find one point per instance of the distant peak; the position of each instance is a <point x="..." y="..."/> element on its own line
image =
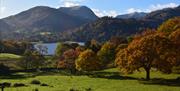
<point x="76" y="7"/>
<point x="41" y="7"/>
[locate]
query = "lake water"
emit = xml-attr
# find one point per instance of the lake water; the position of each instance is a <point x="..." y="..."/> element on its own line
<point x="51" y="47"/>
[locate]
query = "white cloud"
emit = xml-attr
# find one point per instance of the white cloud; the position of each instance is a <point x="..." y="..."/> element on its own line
<point x="2" y="9"/>
<point x="152" y="8"/>
<point x="102" y="13"/>
<point x="161" y="6"/>
<point x="70" y="3"/>
<point x="132" y="10"/>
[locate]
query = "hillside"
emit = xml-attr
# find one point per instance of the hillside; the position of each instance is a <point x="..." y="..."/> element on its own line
<point x="135" y="15"/>
<point x="80" y="11"/>
<point x="77" y="23"/>
<point x="104" y="28"/>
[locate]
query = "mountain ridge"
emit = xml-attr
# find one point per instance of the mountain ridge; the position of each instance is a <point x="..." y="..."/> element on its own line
<point x="59" y="25"/>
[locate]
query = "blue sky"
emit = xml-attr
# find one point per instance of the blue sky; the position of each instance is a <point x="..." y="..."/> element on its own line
<point x="100" y="7"/>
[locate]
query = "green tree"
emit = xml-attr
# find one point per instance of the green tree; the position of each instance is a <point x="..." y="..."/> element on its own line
<point x="32" y="59"/>
<point x="61" y="48"/>
<point x="107" y="53"/>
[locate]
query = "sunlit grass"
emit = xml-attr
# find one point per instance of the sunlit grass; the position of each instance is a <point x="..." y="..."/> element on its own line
<point x="9" y="56"/>
<point x="82" y="83"/>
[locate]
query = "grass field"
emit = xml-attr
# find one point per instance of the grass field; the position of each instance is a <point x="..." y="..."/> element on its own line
<point x="107" y="80"/>
<point x="7" y="56"/>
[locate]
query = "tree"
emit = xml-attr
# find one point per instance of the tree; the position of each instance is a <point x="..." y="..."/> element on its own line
<point x="61" y="48"/>
<point x="93" y="45"/>
<point x="43" y="50"/>
<point x="107" y="53"/>
<point x="4" y="70"/>
<point x="170" y="25"/>
<point x="149" y="50"/>
<point x="1" y="47"/>
<point x="87" y="61"/>
<point x="118" y="40"/>
<point x="120" y="47"/>
<point x="129" y="39"/>
<point x="68" y="60"/>
<point x="32" y="59"/>
<point x="175" y="36"/>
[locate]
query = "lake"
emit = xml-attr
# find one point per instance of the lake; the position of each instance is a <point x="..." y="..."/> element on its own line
<point x="51" y="47"/>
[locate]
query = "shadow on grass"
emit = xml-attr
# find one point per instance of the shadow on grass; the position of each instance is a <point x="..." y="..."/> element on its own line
<point x="111" y="75"/>
<point x="16" y="76"/>
<point x="23" y="74"/>
<point x="155" y="81"/>
<point x="161" y="81"/>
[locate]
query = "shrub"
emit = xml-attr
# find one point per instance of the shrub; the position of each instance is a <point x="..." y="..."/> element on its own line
<point x="19" y="85"/>
<point x="88" y="89"/>
<point x="35" y="82"/>
<point x="72" y="89"/>
<point x="35" y="89"/>
<point x="5" y="84"/>
<point x="4" y="69"/>
<point x="43" y="84"/>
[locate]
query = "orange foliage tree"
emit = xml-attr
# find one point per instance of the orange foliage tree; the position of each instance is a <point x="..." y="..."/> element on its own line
<point x="175" y="37"/>
<point x="148" y="50"/>
<point x="68" y="60"/>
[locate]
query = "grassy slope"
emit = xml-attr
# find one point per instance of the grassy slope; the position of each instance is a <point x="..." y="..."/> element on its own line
<point x="64" y="83"/>
<point x="9" y="56"/>
<point x="10" y="60"/>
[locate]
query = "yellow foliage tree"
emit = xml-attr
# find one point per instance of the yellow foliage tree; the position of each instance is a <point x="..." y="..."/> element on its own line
<point x="87" y="61"/>
<point x="170" y="25"/>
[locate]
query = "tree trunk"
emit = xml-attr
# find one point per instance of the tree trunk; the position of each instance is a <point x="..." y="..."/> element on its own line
<point x="2" y="88"/>
<point x="147" y="73"/>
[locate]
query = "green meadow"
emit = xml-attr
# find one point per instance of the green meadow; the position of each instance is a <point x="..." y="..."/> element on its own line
<point x="106" y="80"/>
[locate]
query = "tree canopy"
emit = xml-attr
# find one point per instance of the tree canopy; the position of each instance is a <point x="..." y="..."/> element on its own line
<point x="87" y="61"/>
<point x="149" y="50"/>
<point x="170" y="25"/>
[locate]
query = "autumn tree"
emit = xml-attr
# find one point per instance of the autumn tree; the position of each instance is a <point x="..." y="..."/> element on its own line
<point x="87" y="61"/>
<point x="118" y="40"/>
<point x="148" y="50"/>
<point x="120" y="47"/>
<point x="175" y="37"/>
<point x="170" y="25"/>
<point x="93" y="45"/>
<point x="61" y="48"/>
<point x="68" y="60"/>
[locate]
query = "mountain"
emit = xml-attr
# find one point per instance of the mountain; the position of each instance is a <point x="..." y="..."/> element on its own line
<point x="77" y="24"/>
<point x="106" y="27"/>
<point x="4" y="26"/>
<point x="164" y="14"/>
<point x="5" y="30"/>
<point x="80" y="11"/>
<point x="135" y="15"/>
<point x="43" y="19"/>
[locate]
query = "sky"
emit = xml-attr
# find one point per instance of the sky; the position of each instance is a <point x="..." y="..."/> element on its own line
<point x="100" y="7"/>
